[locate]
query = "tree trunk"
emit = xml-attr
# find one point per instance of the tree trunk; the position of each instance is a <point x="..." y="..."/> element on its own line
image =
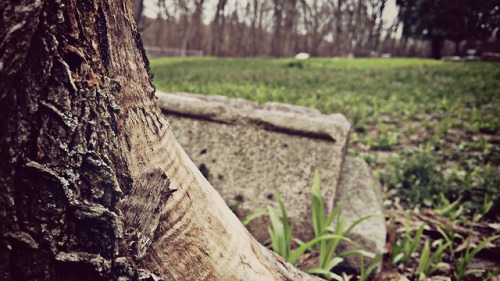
<point x="197" y="35"/>
<point x="277" y="18"/>
<point x="436" y="46"/>
<point x="93" y="186"/>
<point x="138" y="8"/>
<point x="290" y="23"/>
<point x="218" y="27"/>
<point x="253" y="26"/>
<point x="457" y="47"/>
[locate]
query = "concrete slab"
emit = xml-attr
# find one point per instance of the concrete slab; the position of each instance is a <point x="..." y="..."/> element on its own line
<point x="247" y="150"/>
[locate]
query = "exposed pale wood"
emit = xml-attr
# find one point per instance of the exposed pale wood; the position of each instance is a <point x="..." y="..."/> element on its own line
<point x="196" y="234"/>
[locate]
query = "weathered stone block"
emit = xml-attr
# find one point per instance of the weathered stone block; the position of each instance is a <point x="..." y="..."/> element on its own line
<point x="246" y="150"/>
<point x="363" y="197"/>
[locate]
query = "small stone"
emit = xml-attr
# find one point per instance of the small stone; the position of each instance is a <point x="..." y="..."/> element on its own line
<point x="363" y="197"/>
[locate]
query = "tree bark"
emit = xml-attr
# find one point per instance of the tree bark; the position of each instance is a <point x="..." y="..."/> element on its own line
<point x="457" y="47"/>
<point x="276" y="37"/>
<point x="253" y="26"/>
<point x="436" y="46"/>
<point x="197" y="36"/>
<point x="138" y="8"/>
<point x="218" y="27"/>
<point x="289" y="27"/>
<point x="93" y="186"/>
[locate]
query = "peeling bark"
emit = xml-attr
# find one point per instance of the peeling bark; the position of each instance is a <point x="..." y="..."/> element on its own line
<point x="93" y="185"/>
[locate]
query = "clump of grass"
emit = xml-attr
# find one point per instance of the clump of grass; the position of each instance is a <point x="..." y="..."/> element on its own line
<point x="365" y="272"/>
<point x="297" y="64"/>
<point x="404" y="249"/>
<point x="324" y="224"/>
<point x="328" y="233"/>
<point x="280" y="230"/>
<point x="431" y="259"/>
<point x="416" y="177"/>
<point x="462" y="260"/>
<point x="479" y="190"/>
<point x="421" y="256"/>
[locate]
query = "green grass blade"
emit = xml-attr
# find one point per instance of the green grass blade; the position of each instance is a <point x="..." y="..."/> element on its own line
<point x="357" y="252"/>
<point x="325" y="273"/>
<point x="298" y="241"/>
<point x="372" y="266"/>
<point x="358" y="221"/>
<point x="398" y="258"/>
<point x="317" y="205"/>
<point x="424" y="261"/>
<point x="447" y="205"/>
<point x="326" y="253"/>
<point x="483" y="244"/>
<point x="437" y="257"/>
<point x="416" y="240"/>
<point x="335" y="212"/>
<point x="295" y="255"/>
<point x="287" y="227"/>
<point x="277" y="233"/>
<point x="333" y="263"/>
<point x="246" y="220"/>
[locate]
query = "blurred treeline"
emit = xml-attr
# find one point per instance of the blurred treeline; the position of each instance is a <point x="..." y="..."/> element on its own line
<point x="282" y="28"/>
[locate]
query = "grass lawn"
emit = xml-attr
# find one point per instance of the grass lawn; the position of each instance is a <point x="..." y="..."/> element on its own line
<point x="426" y="127"/>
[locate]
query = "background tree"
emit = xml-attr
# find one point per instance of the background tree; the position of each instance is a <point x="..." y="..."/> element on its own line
<point x="320" y="27"/>
<point x="376" y="24"/>
<point x="197" y="24"/>
<point x="318" y="20"/>
<point x="93" y="185"/>
<point x="437" y="20"/>
<point x="278" y="6"/>
<point x="218" y="27"/>
<point x="263" y="28"/>
<point x="138" y="9"/>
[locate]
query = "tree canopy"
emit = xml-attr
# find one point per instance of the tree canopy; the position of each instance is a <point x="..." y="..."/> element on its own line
<point x="456" y="20"/>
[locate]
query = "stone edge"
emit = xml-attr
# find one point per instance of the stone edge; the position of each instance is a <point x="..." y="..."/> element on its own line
<point x="291" y="119"/>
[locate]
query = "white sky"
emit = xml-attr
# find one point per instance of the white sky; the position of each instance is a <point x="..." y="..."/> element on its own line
<point x="390" y="11"/>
